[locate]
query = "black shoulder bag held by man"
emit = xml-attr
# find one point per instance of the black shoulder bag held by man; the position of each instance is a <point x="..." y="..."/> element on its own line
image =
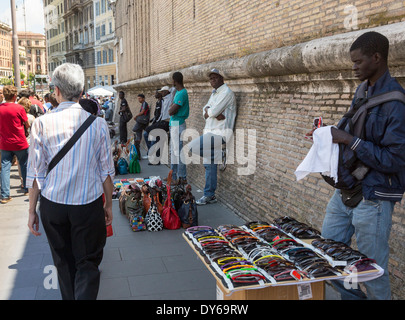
<point x="352" y="171"/>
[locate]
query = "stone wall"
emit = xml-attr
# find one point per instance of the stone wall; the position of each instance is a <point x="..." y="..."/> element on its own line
<point x="163" y="35"/>
<point x="279" y="92"/>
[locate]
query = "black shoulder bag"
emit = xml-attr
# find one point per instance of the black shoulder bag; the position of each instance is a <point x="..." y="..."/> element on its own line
<point x="71" y="143"/>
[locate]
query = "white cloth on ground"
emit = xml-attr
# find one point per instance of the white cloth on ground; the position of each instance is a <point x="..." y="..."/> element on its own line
<point x="322" y="158"/>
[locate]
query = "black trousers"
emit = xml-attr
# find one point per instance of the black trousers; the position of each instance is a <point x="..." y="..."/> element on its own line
<point x="76" y="236"/>
<point x="123" y="132"/>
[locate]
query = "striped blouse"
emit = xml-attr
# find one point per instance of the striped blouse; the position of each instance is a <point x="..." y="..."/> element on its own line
<point x="79" y="176"/>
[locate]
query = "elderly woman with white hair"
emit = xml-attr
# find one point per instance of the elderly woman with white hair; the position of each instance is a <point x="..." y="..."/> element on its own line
<point x="71" y="185"/>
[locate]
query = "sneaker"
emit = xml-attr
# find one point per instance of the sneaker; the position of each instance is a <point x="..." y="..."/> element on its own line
<point x="6" y="200"/>
<point x="206" y="200"/>
<point x="183" y="181"/>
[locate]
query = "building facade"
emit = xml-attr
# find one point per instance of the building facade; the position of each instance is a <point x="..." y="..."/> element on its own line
<point x="55" y="33"/>
<point x="82" y="32"/>
<point x="36" y="53"/>
<point x="6" y="52"/>
<point x="287" y="62"/>
<point x="79" y="29"/>
<point x="105" y="66"/>
<point x="22" y="52"/>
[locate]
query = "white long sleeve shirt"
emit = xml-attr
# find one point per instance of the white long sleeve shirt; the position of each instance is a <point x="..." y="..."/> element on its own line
<point x="222" y="101"/>
<point x="78" y="178"/>
<point x="166" y="104"/>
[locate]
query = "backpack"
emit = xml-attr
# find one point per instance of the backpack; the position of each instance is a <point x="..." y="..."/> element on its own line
<point x="122" y="166"/>
<point x="352" y="171"/>
<point x="127" y="115"/>
<point x="36" y="111"/>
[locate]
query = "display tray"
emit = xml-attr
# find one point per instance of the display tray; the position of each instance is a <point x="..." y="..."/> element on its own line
<point x="228" y="286"/>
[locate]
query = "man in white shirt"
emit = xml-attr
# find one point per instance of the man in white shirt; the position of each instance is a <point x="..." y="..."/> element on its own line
<point x="219" y="114"/>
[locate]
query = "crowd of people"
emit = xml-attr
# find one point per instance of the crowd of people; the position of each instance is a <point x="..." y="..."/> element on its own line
<point x="18" y="112"/>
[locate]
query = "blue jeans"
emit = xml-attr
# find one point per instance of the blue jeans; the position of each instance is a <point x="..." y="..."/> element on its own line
<point x="6" y="160"/>
<point x="177" y="165"/>
<point x="211" y="143"/>
<point x="149" y="144"/>
<point x="371" y="223"/>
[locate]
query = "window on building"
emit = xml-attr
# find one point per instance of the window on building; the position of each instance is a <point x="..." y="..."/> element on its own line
<point x="98" y="57"/>
<point x="97" y="8"/>
<point x="110" y="55"/>
<point x="105" y="57"/>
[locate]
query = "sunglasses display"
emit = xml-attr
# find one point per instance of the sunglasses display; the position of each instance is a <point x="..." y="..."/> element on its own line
<point x="297" y="229"/>
<point x="260" y="253"/>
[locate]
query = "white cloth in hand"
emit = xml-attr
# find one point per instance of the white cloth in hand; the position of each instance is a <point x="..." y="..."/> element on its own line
<point x="322" y="158"/>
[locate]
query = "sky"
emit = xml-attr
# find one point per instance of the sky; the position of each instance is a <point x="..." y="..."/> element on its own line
<point x="34" y="14"/>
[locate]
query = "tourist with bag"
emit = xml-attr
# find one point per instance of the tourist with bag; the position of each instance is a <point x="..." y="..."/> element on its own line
<point x="70" y="165"/>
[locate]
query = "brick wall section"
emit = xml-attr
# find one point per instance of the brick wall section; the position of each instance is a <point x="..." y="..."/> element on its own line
<point x="166" y="35"/>
<point x="280" y="108"/>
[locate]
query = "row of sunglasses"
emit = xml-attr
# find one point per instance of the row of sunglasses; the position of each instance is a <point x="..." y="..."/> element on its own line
<point x="336" y="250"/>
<point x="222" y="252"/>
<point x="283" y="259"/>
<point x="305" y="259"/>
<point x="281" y="256"/>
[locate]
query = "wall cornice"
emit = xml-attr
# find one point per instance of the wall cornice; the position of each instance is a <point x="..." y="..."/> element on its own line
<point x="329" y="54"/>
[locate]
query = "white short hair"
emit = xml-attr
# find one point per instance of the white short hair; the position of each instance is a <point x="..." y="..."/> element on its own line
<point x="69" y="78"/>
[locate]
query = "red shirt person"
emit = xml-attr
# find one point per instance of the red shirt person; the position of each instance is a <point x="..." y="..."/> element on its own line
<point x="13" y="122"/>
<point x="34" y="100"/>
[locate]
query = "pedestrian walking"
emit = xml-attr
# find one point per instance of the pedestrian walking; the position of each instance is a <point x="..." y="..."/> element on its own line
<point x="71" y="186"/>
<point x="13" y="142"/>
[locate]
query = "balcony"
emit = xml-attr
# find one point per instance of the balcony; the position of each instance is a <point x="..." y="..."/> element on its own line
<point x="78" y="46"/>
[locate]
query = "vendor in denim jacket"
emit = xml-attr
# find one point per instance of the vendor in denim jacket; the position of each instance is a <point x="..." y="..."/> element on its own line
<point x="382" y="150"/>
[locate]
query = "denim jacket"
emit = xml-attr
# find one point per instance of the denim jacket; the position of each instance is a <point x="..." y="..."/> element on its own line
<point x="383" y="148"/>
